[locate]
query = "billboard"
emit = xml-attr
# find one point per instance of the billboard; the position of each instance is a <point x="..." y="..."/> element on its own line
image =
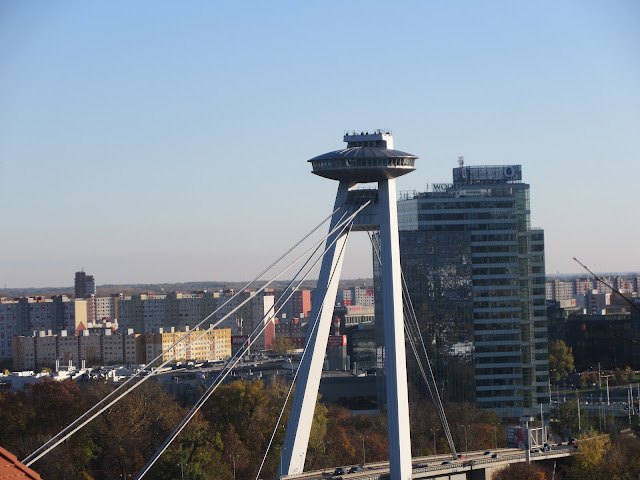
<point x="238" y="340"/>
<point x="516" y="437"/>
<point x="337" y="341"/>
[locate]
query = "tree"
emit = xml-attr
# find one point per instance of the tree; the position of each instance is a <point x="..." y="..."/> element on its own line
<point x="520" y="471"/>
<point x="588" y="379"/>
<point x="589" y="463"/>
<point x="283" y="345"/>
<point x="623" y="458"/>
<point x="128" y="434"/>
<point x="601" y="459"/>
<point x="560" y="360"/>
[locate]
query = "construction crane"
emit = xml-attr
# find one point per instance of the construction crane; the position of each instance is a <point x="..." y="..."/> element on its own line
<point x="600" y="280"/>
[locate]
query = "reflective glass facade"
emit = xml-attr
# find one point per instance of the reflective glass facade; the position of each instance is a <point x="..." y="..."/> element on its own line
<point x="475" y="273"/>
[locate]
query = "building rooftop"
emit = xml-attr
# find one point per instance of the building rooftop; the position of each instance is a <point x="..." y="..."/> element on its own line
<point x="11" y="467"/>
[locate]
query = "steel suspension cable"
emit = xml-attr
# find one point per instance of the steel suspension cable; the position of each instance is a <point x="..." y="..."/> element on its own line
<point x="295" y="377"/>
<point x="67" y="432"/>
<point x="230" y="365"/>
<point x="435" y="394"/>
<point x="111" y="394"/>
<point x="410" y="321"/>
<point x="433" y="389"/>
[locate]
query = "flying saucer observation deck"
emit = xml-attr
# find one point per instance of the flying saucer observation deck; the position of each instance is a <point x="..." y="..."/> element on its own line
<point x="366" y="159"/>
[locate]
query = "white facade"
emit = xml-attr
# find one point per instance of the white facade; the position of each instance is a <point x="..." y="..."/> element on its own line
<point x="105" y="308"/>
<point x="104" y="348"/>
<point x="559" y="290"/>
<point x="583" y="285"/>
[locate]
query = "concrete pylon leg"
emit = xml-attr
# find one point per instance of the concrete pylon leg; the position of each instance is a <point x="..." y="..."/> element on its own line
<point x="304" y="401"/>
<point x="395" y="357"/>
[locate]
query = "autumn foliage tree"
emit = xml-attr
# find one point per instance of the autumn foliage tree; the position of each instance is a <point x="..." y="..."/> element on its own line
<point x="560" y="360"/>
<point x="521" y="471"/>
<point x="601" y="459"/>
<point x="472" y="428"/>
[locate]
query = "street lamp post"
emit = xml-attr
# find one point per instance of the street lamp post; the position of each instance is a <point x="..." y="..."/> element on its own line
<point x="364" y="453"/>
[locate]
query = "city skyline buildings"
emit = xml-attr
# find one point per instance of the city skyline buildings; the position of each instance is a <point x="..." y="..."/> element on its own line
<point x="149" y="127"/>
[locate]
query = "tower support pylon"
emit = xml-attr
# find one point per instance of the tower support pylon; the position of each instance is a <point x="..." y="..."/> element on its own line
<point x="368" y="158"/>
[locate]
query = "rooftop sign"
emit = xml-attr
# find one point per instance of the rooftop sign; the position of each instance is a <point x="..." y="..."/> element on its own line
<point x="491" y="173"/>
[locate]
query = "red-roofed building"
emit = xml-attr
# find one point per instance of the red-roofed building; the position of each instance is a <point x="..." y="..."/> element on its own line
<point x="11" y="467"/>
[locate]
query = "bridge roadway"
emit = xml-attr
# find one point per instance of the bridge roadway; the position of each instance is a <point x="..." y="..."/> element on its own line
<point x="474" y="466"/>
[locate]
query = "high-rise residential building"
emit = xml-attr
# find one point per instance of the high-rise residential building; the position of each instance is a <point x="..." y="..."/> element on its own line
<point x="583" y="285"/>
<point x="147" y="313"/>
<point x="625" y="285"/>
<point x="84" y="285"/>
<point x="10" y="326"/>
<point x="298" y="305"/>
<point x="475" y="272"/>
<point x="559" y="290"/>
<point x="363" y="296"/>
<point x="106" y="308"/>
<point x="355" y="296"/>
<point x="28" y="314"/>
<point x="301" y="303"/>
<point x="253" y="308"/>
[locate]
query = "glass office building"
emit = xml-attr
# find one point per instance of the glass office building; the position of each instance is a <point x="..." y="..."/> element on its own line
<point x="474" y="268"/>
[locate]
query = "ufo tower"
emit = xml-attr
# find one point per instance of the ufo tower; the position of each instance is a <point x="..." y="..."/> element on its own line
<point x="368" y="158"/>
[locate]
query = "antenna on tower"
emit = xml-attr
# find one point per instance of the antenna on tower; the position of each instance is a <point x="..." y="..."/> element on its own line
<point x="461" y="161"/>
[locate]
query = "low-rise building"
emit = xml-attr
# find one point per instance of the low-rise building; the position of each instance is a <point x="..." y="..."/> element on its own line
<point x="211" y="345"/>
<point x="42" y="349"/>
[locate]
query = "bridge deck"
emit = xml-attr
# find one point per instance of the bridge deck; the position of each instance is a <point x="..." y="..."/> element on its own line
<point x="430" y="467"/>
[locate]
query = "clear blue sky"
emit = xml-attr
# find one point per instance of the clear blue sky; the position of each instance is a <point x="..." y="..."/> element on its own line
<point x="164" y="141"/>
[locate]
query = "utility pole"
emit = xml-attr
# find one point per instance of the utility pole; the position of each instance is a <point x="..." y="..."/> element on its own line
<point x="542" y="422"/>
<point x="606" y="377"/>
<point x="579" y="428"/>
<point x="600" y="381"/>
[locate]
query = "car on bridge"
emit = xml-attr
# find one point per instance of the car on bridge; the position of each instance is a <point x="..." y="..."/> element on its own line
<point x="339" y="472"/>
<point x="355" y="469"/>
